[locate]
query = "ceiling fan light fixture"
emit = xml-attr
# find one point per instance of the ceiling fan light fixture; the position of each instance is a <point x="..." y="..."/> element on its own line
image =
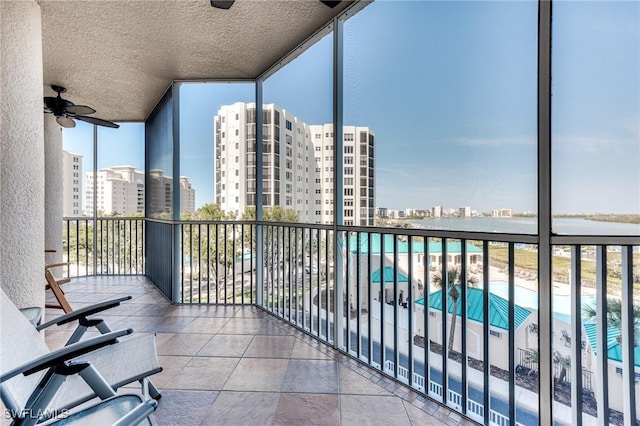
<point x="222" y="4"/>
<point x="330" y="3"/>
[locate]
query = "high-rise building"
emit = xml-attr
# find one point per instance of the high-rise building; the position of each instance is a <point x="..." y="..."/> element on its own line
<point x="436" y="211"/>
<point x="382" y="212"/>
<point x="160" y="194"/>
<point x="71" y="184"/>
<point x="187" y="196"/>
<point x="120" y="189"/>
<point x="297" y="165"/>
<point x="464" y="212"/>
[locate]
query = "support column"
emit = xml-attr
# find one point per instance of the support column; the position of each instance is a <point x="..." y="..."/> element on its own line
<point x="21" y="153"/>
<point x="53" y="190"/>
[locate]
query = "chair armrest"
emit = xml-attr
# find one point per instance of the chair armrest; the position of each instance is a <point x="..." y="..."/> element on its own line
<point x="66" y="353"/>
<point x="138" y="414"/>
<point x="83" y="312"/>
<point x="55" y="265"/>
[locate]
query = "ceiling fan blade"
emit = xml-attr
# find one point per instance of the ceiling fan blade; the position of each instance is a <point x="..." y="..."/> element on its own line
<point x="80" y="109"/>
<point x="98" y="121"/>
<point x="66" y="122"/>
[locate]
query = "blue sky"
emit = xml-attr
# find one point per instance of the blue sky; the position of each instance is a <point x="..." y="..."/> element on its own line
<point x="449" y="88"/>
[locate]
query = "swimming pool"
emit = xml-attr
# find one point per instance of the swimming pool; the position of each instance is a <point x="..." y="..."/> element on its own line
<point x="528" y="298"/>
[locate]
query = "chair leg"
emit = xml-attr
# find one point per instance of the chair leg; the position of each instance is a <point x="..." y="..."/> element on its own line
<point x="149" y="389"/>
<point x="54" y="285"/>
<point x="57" y="292"/>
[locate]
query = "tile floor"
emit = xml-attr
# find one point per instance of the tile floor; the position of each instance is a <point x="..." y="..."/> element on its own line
<point x="238" y="365"/>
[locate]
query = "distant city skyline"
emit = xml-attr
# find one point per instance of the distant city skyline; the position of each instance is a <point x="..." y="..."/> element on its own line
<point x="467" y="133"/>
<point x="121" y="189"/>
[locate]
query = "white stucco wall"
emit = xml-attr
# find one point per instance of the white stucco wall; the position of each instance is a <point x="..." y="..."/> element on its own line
<point x="21" y="153"/>
<point x="53" y="194"/>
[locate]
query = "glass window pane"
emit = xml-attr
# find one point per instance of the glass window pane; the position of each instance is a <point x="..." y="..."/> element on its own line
<point x="449" y="91"/>
<point x="596" y="117"/>
<point x="217" y="149"/>
<point x="159" y="160"/>
<point x="298" y="109"/>
<point x="77" y="145"/>
<point x="120" y="175"/>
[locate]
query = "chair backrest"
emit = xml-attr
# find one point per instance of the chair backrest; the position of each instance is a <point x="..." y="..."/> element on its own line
<point x="19" y="343"/>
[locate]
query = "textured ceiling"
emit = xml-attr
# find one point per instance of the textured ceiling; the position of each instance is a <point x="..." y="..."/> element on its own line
<point x="119" y="56"/>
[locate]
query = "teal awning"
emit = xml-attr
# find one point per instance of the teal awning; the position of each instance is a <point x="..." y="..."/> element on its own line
<point x="453" y="247"/>
<point x="498" y="308"/>
<point x="388" y="276"/>
<point x="614" y="348"/>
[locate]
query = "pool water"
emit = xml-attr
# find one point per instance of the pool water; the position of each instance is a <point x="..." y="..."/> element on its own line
<point x="528" y="298"/>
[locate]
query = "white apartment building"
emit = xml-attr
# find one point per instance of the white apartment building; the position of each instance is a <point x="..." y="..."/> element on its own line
<point x="71" y="184"/>
<point x="382" y="212"/>
<point x="187" y="196"/>
<point x="297" y="165"/>
<point x="120" y="189"/>
<point x="436" y="211"/>
<point x="464" y="212"/>
<point x="501" y="213"/>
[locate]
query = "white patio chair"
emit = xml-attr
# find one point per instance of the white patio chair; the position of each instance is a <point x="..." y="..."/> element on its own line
<point x="35" y="380"/>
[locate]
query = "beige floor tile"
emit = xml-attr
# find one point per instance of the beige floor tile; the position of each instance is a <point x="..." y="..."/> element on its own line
<point x="204" y="373"/>
<point x="270" y="347"/>
<point x="226" y="345"/>
<point x="307" y="409"/>
<point x="242" y="408"/>
<point x="352" y="383"/>
<point x="304" y="351"/>
<point x="313" y="376"/>
<point x="258" y="374"/>
<point x="205" y="325"/>
<point x="372" y="410"/>
<point x="419" y="417"/>
<point x="183" y="344"/>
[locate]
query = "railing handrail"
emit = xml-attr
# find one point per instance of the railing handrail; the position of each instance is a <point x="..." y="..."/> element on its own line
<point x="220" y="261"/>
<point x="67" y="218"/>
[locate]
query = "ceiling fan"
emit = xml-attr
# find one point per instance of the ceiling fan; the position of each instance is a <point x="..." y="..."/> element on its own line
<point x="66" y="111"/>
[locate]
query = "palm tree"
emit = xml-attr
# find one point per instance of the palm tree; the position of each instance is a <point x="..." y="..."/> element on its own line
<point x="453" y="282"/>
<point x="614" y="315"/>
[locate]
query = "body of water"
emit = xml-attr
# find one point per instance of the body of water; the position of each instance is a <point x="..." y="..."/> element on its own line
<point x="528" y="225"/>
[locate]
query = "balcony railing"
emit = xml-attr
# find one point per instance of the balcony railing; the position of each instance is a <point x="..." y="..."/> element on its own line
<point x="454" y="315"/>
<point x="107" y="246"/>
<point x="217" y="262"/>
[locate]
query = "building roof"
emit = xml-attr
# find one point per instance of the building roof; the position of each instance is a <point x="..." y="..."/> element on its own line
<point x="402" y="247"/>
<point x="614" y="351"/>
<point x="388" y="276"/>
<point x="498" y="308"/>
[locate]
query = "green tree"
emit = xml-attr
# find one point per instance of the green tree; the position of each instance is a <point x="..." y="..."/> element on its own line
<point x="211" y="244"/>
<point x="278" y="244"/>
<point x="273" y="214"/>
<point x="212" y="212"/>
<point x="614" y="315"/>
<point x="453" y="283"/>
